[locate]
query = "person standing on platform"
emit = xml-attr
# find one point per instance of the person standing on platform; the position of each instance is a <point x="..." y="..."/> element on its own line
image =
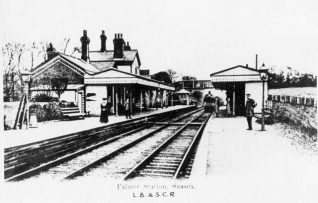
<point x="249" y="110"/>
<point x="127" y="109"/>
<point x="217" y="104"/>
<point x="228" y="107"/>
<point x="104" y="111"/>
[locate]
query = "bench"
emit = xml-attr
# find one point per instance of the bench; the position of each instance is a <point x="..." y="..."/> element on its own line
<point x="268" y="118"/>
<point x="72" y="113"/>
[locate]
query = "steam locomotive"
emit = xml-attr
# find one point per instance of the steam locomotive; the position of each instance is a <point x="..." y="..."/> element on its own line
<point x="209" y="103"/>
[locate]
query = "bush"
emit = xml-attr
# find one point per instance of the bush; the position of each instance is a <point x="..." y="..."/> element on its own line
<point x="44" y="98"/>
<point x="49" y="111"/>
<point x="40" y="112"/>
<point x="53" y="111"/>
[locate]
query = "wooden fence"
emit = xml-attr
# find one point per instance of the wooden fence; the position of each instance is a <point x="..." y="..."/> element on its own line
<point x="305" y="101"/>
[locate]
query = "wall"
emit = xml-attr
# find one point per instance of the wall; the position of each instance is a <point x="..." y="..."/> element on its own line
<point x="256" y="91"/>
<point x="94" y="106"/>
<point x="69" y="96"/>
<point x="57" y="70"/>
<point x="125" y="69"/>
<point x="135" y="67"/>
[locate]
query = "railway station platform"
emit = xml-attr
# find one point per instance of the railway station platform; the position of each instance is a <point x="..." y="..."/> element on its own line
<point x="55" y="128"/>
<point x="254" y="165"/>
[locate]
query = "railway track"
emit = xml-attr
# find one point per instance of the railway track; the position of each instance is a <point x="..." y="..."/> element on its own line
<point x="24" y="157"/>
<point x="125" y="159"/>
<point x="81" y="158"/>
<point x="174" y="157"/>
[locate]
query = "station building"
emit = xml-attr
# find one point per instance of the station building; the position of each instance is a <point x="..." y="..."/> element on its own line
<point x="93" y="75"/>
<point x="191" y="85"/>
<point x="238" y="81"/>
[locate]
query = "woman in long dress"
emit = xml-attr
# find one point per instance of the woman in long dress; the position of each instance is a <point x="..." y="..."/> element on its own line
<point x="104" y="111"/>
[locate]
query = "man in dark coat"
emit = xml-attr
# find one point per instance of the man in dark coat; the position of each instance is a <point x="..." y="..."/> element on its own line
<point x="249" y="110"/>
<point x="127" y="109"/>
<point x="104" y="111"/>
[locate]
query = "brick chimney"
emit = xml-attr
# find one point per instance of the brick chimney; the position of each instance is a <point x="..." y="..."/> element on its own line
<point x="103" y="39"/>
<point x="119" y="46"/>
<point x="127" y="47"/>
<point x="85" y="46"/>
<point x="51" y="52"/>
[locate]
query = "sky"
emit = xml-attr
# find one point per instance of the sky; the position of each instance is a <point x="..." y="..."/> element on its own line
<point x="192" y="37"/>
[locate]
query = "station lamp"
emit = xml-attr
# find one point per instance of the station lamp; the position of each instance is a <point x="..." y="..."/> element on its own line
<point x="264" y="78"/>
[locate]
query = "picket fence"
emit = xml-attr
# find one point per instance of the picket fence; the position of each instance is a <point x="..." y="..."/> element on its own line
<point x="305" y="101"/>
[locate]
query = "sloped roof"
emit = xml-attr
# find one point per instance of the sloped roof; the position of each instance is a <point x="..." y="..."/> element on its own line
<point x="237" y="74"/>
<point x="125" y="77"/>
<point x="78" y="63"/>
<point x="183" y="91"/>
<point x="47" y="87"/>
<point x="89" y="68"/>
<point x="103" y="65"/>
<point x="230" y="71"/>
<point x="108" y="56"/>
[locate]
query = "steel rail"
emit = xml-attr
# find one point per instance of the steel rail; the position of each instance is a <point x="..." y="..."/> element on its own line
<point x="121" y="149"/>
<point x="148" y="117"/>
<point x="53" y="163"/>
<point x="26" y="162"/>
<point x="29" y="158"/>
<point x="130" y="174"/>
<point x="186" y="156"/>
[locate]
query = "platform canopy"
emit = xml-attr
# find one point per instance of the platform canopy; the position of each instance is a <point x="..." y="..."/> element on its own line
<point x="115" y="76"/>
<point x="74" y="87"/>
<point x="237" y="74"/>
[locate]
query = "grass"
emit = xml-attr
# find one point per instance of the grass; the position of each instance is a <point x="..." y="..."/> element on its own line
<point x="295" y="91"/>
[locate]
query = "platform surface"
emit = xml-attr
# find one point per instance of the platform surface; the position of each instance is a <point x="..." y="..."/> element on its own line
<point x="231" y="158"/>
<point x="50" y="129"/>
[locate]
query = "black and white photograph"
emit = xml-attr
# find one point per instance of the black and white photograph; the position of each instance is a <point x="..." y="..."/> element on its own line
<point x="159" y="101"/>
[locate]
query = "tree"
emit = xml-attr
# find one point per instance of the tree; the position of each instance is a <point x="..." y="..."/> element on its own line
<point x="172" y="74"/>
<point x="38" y="52"/>
<point x="12" y="54"/>
<point x="291" y="80"/>
<point x="162" y="76"/>
<point x="16" y="57"/>
<point x="59" y="85"/>
<point x="64" y="45"/>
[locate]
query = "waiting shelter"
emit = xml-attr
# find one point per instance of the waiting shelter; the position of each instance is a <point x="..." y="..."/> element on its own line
<point x="184" y="96"/>
<point x="239" y="81"/>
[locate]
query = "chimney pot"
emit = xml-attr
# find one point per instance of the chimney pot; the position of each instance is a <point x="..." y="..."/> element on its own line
<point x="85" y="46"/>
<point x="127" y="47"/>
<point x="51" y="52"/>
<point x="119" y="45"/>
<point x="103" y="39"/>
